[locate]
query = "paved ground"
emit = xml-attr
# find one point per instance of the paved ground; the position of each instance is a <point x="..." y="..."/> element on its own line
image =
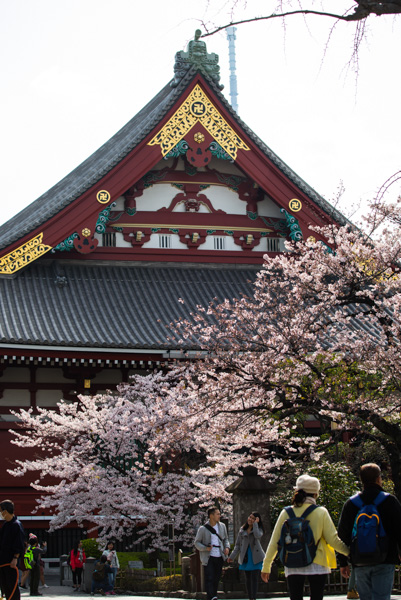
<point x="67" y="593"/>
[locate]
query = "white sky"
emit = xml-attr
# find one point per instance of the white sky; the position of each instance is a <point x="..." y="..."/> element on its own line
<point x="75" y="71"/>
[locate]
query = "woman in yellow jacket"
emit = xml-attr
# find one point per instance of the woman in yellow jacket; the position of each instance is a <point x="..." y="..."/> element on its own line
<point x="325" y="536"/>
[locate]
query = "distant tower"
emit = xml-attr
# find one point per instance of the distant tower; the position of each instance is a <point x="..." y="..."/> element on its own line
<point x="233" y="75"/>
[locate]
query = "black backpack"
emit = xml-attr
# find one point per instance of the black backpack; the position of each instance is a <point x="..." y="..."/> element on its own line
<point x="100" y="572"/>
<point x="296" y="546"/>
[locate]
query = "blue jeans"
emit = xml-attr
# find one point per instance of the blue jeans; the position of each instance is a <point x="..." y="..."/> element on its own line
<point x="375" y="582"/>
<point x="112" y="576"/>
<point x="351" y="580"/>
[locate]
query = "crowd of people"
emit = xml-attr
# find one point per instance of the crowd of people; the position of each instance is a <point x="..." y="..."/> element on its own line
<point x="21" y="563"/>
<point x="367" y="542"/>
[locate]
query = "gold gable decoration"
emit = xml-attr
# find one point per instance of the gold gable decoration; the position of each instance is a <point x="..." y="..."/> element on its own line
<point x="22" y="256"/>
<point x="197" y="108"/>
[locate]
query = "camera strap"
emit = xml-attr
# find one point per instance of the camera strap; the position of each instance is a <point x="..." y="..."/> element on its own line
<point x="212" y="530"/>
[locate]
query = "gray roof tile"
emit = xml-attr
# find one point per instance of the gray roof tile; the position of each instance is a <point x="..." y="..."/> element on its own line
<point x="109" y="306"/>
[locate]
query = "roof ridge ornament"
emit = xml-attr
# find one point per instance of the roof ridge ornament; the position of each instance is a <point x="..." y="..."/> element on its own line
<point x="196" y="55"/>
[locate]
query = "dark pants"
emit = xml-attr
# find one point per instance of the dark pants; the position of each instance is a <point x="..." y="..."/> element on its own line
<point x="252" y="583"/>
<point x="77" y="575"/>
<point x="295" y="585"/>
<point x="8" y="578"/>
<point x="35" y="578"/>
<point x="212" y="576"/>
<point x="101" y="585"/>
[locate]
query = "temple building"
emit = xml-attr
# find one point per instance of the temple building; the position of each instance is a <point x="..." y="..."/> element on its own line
<point x="183" y="202"/>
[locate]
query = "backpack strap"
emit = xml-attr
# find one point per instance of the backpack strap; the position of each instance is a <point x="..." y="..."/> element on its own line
<point x="308" y="511"/>
<point x="290" y="512"/>
<point x="380" y="497"/>
<point x="357" y="500"/>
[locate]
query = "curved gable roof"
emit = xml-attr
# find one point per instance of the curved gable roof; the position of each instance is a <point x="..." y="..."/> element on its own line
<point x="103" y="160"/>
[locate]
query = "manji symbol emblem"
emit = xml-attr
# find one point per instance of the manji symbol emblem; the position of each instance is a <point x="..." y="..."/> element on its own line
<point x="295" y="205"/>
<point x="103" y="197"/>
<point x="197" y="108"/>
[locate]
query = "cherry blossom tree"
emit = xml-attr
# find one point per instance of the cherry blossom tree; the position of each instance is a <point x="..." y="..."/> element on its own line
<point x="97" y="461"/>
<point x="318" y="337"/>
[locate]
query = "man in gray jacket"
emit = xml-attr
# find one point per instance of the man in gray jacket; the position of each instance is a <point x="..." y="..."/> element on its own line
<point x="213" y="545"/>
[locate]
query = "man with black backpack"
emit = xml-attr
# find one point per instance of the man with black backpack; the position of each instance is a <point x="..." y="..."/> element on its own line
<point x="370" y="524"/>
<point x="213" y="545"/>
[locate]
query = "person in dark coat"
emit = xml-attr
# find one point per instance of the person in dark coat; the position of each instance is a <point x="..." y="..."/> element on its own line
<point x="12" y="545"/>
<point x="37" y="552"/>
<point x="102" y="566"/>
<point x="373" y="582"/>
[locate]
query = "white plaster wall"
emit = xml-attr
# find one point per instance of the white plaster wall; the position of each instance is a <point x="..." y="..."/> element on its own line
<point x="119" y="203"/>
<point x="268" y="208"/>
<point x="13" y="374"/>
<point x="175" y="242"/>
<point x="225" y="167"/>
<point x="181" y="208"/>
<point x="228" y="240"/>
<point x="156" y="197"/>
<point x="112" y="376"/>
<point x="120" y="241"/>
<point x="46" y="398"/>
<point x="222" y="198"/>
<point x="218" y="164"/>
<point x="263" y="247"/>
<point x="16" y="398"/>
<point x="51" y="376"/>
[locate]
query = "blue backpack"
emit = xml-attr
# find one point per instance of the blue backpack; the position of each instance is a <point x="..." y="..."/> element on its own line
<point x="369" y="542"/>
<point x="296" y="547"/>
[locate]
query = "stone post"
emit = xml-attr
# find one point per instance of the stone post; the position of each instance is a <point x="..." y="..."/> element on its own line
<point x="251" y="493"/>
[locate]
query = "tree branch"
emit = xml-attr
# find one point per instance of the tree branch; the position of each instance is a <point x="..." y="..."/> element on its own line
<point x="364" y="9"/>
<point x="275" y="16"/>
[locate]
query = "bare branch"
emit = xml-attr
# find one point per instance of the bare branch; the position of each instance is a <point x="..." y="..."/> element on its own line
<point x="359" y="12"/>
<point x="275" y="16"/>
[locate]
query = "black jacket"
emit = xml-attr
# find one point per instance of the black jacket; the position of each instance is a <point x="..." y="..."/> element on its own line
<point x="107" y="570"/>
<point x="12" y="540"/>
<point x="390" y="514"/>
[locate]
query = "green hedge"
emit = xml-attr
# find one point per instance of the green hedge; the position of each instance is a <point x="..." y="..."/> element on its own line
<point x="91" y="548"/>
<point x="125" y="557"/>
<point x="162" y="584"/>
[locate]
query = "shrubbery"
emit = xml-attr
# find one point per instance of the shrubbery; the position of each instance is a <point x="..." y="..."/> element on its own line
<point x="171" y="583"/>
<point x="337" y="483"/>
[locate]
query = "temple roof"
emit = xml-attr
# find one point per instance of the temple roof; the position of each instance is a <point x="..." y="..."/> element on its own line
<point x="81" y="305"/>
<point x="122" y="143"/>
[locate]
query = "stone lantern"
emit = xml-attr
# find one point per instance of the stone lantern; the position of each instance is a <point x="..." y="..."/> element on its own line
<point x="251" y="492"/>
